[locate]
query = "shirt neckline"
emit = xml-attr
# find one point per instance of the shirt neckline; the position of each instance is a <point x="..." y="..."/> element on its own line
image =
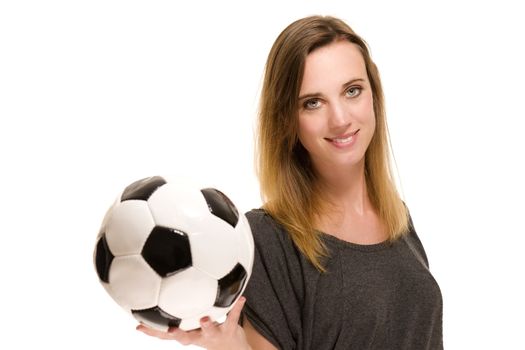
<point x="361" y="247"/>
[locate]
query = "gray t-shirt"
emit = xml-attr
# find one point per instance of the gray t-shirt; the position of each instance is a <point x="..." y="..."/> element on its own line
<point x="379" y="296"/>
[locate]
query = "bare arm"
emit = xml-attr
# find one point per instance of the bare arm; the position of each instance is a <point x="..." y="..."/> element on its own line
<point x="212" y="336"/>
<point x="255" y="339"/>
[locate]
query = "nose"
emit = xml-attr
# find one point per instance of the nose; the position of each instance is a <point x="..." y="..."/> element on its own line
<point x="339" y="115"/>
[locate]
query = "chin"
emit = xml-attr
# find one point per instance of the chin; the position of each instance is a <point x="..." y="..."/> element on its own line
<point x="353" y="162"/>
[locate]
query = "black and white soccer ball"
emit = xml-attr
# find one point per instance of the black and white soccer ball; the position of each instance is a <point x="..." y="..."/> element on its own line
<point x="170" y="253"/>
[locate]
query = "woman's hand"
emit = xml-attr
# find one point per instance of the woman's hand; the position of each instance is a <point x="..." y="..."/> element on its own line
<point x="212" y="336"/>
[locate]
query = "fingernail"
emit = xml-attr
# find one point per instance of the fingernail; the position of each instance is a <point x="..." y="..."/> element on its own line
<point x="205" y="321"/>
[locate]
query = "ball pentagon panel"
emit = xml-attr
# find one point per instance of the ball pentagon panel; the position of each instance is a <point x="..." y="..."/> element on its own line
<point x="167" y="251"/>
<point x="221" y="206"/>
<point x="103" y="258"/>
<point x="142" y="189"/>
<point x="157" y="318"/>
<point x="231" y="286"/>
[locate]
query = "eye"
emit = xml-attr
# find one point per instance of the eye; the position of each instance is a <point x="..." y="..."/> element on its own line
<point x="312" y="104"/>
<point x="353" y="91"/>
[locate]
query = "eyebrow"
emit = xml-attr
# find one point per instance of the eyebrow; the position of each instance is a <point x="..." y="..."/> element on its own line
<point x="317" y="94"/>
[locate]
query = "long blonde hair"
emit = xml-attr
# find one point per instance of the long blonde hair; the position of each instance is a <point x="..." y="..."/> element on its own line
<point x="288" y="182"/>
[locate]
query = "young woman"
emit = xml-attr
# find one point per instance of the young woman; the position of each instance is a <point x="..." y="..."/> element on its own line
<point x="338" y="264"/>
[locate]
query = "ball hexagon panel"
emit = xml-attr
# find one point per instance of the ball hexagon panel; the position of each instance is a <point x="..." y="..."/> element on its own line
<point x="214" y="247"/>
<point x="179" y="207"/>
<point x="245" y="243"/>
<point x="187" y="294"/>
<point x="157" y="318"/>
<point x="103" y="259"/>
<point x="230" y="286"/>
<point x="130" y="225"/>
<point x="167" y="251"/>
<point x="107" y="217"/>
<point x="190" y="323"/>
<point x="142" y="189"/>
<point x="221" y="206"/>
<point x="133" y="283"/>
<point x="216" y="314"/>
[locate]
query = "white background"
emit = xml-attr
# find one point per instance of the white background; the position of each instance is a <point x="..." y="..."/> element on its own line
<point x="96" y="94"/>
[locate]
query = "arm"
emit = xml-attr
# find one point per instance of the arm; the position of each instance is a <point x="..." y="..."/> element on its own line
<point x="254" y="338"/>
<point x="212" y="336"/>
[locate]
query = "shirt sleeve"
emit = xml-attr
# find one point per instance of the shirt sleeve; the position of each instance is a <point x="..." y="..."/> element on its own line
<point x="415" y="244"/>
<point x="274" y="291"/>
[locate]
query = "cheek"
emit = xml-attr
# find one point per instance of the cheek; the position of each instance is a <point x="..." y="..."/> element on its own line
<point x="309" y="128"/>
<point x="366" y="113"/>
<point x="310" y="132"/>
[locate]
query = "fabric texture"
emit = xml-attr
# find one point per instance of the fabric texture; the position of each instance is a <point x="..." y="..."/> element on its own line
<point x="379" y="296"/>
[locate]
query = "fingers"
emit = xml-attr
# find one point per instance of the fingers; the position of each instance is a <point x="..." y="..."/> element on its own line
<point x="209" y="329"/>
<point x="185" y="338"/>
<point x="154" y="333"/>
<point x="233" y="317"/>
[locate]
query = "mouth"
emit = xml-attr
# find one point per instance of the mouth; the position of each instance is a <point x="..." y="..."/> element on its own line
<point x="343" y="139"/>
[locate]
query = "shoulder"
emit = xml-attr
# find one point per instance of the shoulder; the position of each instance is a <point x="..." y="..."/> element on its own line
<point x="257" y="216"/>
<point x="413" y="241"/>
<point x="276" y="286"/>
<point x="265" y="228"/>
<point x="271" y="239"/>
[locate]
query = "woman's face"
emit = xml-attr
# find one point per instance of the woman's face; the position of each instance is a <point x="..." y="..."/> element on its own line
<point x="336" y="114"/>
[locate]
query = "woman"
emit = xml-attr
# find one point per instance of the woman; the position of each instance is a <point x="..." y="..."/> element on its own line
<point x="338" y="264"/>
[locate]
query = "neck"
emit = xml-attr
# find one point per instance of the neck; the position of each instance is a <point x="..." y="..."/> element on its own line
<point x="346" y="189"/>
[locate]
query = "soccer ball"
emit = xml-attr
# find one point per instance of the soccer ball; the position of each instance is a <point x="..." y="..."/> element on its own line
<point x="170" y="253"/>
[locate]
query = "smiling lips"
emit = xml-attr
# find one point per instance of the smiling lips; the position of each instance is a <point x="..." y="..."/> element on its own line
<point x="343" y="140"/>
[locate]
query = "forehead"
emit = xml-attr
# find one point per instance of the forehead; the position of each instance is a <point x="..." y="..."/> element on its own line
<point x="333" y="64"/>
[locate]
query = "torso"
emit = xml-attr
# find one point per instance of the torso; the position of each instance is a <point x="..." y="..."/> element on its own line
<point x="373" y="296"/>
